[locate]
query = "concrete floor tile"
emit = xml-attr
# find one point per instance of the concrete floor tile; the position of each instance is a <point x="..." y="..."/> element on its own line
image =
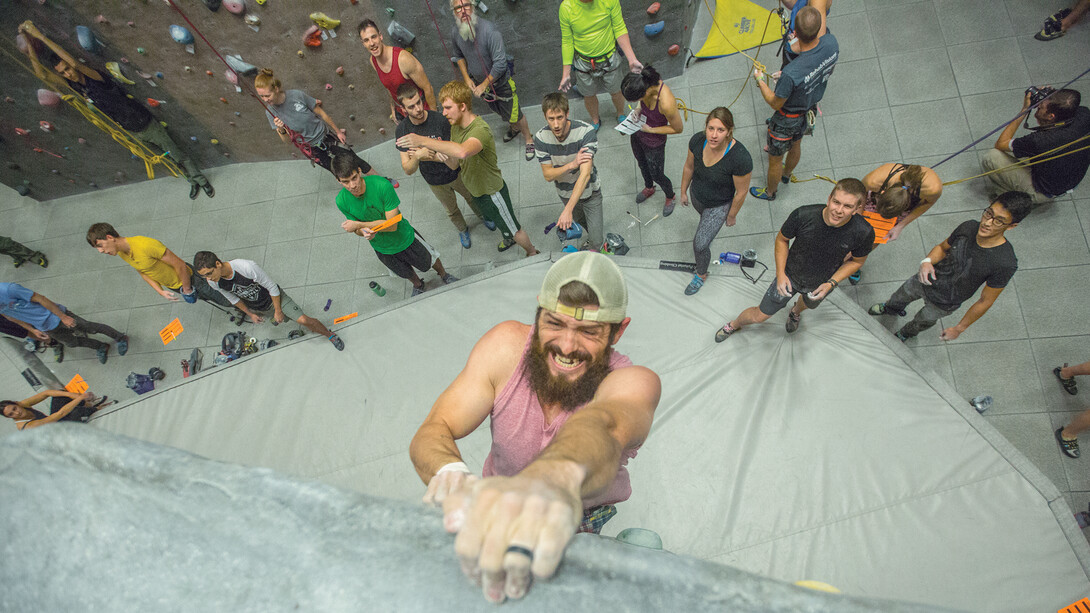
<point x="1048" y="353"/>
<point x="1056" y="237"/>
<point x="937" y="358"/>
<point x="707" y="97"/>
<point x="207" y="231"/>
<point x="288" y="218"/>
<point x="616" y="171"/>
<point x="123" y="286"/>
<point x="989" y="111"/>
<point x="297" y="178"/>
<point x="947" y="132"/>
<point x="966" y="21"/>
<point x="1004" y="320"/>
<point x="854" y="34"/>
<point x="1032" y="434"/>
<point x="335" y="258"/>
<point x="895" y="34"/>
<point x="248" y="225"/>
<point x="998" y="369"/>
<point x="920" y="75"/>
<point x="896" y="260"/>
<point x="861" y="138"/>
<point x="717" y="70"/>
<point x="987" y="66"/>
<point x="856" y="87"/>
<point x="1054" y="300"/>
<point x="1051" y="63"/>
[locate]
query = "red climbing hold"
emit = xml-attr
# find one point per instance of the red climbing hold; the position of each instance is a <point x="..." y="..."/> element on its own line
<point x="654" y="8"/>
<point x="208" y="72"/>
<point x="313" y="37"/>
<point x="45" y="126"/>
<point x="21" y="131"/>
<point x="328" y="86"/>
<point x="153" y="103"/>
<point x="674" y="49"/>
<point x="223" y="100"/>
<point x="340" y="70"/>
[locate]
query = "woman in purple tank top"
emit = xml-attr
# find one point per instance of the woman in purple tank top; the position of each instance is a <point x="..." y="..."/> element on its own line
<point x="659" y="108"/>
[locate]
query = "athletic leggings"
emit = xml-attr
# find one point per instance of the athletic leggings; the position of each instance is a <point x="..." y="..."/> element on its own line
<point x="711" y="220"/>
<point x="652" y="162"/>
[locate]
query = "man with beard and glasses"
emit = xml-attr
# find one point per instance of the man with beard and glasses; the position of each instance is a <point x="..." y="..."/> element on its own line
<point x="566" y="413"/>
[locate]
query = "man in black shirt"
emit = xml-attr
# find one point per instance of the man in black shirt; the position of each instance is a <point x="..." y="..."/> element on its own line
<point x="443" y="180"/>
<point x="976" y="253"/>
<point x="107" y="96"/>
<point x="816" y="262"/>
<point x="1061" y="121"/>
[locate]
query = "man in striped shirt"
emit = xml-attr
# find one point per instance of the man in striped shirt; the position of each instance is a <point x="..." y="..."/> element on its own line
<point x="565" y="148"/>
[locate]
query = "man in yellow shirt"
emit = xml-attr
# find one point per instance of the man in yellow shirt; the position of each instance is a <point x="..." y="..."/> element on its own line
<point x="158" y="266"/>
<point x="590" y="33"/>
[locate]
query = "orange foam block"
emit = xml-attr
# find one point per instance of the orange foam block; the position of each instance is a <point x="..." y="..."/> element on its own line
<point x="386" y="224"/>
<point x="345" y="318"/>
<point x="77" y="385"/>
<point x="171" y="331"/>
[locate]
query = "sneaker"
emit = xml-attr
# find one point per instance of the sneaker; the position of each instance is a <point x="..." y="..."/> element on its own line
<point x="449" y="278"/>
<point x="491" y="225"/>
<point x="620" y="118"/>
<point x="787" y="179"/>
<point x="668" y="207"/>
<point x="122" y="345"/>
<point x="194" y="189"/>
<point x="209" y="190"/>
<point x="39" y="259"/>
<point x="58" y="353"/>
<point x="337" y="342"/>
<point x="646" y="193"/>
<point x="596" y="125"/>
<point x="856" y="278"/>
<point x="417" y="291"/>
<point x="393" y="182"/>
<point x="505" y="244"/>
<point x="18" y="263"/>
<point x="722" y="333"/>
<point x="792" y="322"/>
<point x="102" y="354"/>
<point x="762" y="193"/>
<point x="881" y="309"/>
<point x="465" y="238"/>
<point x="1069" y="447"/>
<point x="530" y="152"/>
<point x="510" y="135"/>
<point x="1068" y="384"/>
<point x="694" y="285"/>
<point x="901" y="336"/>
<point x="1051" y="31"/>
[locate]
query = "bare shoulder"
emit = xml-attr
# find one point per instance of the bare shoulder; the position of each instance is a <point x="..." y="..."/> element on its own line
<point x="932" y="184"/>
<point x="874" y="178"/>
<point x="500" y="349"/>
<point x="407" y="61"/>
<point x="633" y="380"/>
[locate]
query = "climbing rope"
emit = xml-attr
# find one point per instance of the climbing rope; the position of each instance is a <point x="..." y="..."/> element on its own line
<point x="101" y="121"/>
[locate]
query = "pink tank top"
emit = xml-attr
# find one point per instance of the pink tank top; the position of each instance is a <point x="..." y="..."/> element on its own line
<point x="519" y="431"/>
<point x="393" y="79"/>
<point x="655" y="119"/>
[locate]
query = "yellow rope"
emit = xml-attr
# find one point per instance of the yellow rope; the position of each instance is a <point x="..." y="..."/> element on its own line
<point x="103" y="122"/>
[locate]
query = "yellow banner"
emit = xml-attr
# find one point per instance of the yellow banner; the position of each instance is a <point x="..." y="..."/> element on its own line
<point x="738" y="26"/>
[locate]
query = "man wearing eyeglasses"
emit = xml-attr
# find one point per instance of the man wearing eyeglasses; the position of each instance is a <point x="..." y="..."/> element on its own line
<point x="482" y="60"/>
<point x="976" y="253"/>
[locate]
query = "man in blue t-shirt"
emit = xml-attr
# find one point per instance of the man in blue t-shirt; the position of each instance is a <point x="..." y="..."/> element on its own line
<point x="800" y="88"/>
<point x="44" y="319"/>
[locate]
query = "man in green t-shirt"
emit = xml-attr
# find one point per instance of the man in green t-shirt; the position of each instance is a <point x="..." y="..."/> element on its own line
<point x="472" y="148"/>
<point x="591" y="31"/>
<point x="369" y="201"/>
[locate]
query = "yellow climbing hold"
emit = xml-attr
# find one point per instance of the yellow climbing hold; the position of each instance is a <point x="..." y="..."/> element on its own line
<point x="324" y="21"/>
<point x="214" y="141"/>
<point x="115" y="70"/>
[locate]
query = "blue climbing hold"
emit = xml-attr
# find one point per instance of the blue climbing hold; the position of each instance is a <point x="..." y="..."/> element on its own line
<point x="654" y="29"/>
<point x="158" y="75"/>
<point x="193" y="138"/>
<point x="86" y="38"/>
<point x="181" y="35"/>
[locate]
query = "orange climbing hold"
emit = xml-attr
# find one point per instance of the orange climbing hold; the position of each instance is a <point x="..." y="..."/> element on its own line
<point x="674" y="49"/>
<point x="654" y="8"/>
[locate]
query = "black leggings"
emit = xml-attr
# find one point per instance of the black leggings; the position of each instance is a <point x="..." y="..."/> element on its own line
<point x="652" y="161"/>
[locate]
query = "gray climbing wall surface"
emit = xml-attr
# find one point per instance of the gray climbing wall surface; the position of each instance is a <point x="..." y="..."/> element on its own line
<point x="200" y="108"/>
<point x="96" y="521"/>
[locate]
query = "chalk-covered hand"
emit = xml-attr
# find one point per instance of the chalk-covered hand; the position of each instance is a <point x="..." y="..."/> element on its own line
<point x="927" y="273"/>
<point x="449" y="479"/>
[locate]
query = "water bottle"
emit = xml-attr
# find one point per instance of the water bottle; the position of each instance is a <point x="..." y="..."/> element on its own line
<point x="730" y="257"/>
<point x="378" y="289"/>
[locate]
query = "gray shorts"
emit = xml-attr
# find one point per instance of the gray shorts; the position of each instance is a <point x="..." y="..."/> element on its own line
<point x="783" y="130"/>
<point x="773" y="302"/>
<point x="594" y="77"/>
<point x="291" y="310"/>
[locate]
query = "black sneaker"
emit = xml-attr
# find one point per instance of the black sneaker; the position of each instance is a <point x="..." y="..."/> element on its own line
<point x="122" y="345"/>
<point x="58" y="353"/>
<point x="103" y="353"/>
<point x="902" y="336"/>
<point x="40" y="259"/>
<point x="882" y="309"/>
<point x="194" y="189"/>
<point x="1051" y="31"/>
<point x="1068" y="384"/>
<point x="722" y="333"/>
<point x="1069" y="447"/>
<point x="505" y="244"/>
<point x="510" y="135"/>
<point x="208" y="189"/>
<point x="792" y="322"/>
<point x="337" y="342"/>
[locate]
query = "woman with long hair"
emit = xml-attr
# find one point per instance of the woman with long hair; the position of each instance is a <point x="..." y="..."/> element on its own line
<point x="64" y="406"/>
<point x="717" y="170"/>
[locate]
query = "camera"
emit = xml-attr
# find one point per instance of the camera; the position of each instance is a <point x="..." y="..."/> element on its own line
<point x="1037" y="94"/>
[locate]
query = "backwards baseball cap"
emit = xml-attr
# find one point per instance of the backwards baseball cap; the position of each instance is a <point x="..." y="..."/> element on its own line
<point x="599" y="273"/>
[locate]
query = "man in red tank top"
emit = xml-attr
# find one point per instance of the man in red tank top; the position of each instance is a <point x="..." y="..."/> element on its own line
<point x="566" y="413"/>
<point x="394" y="66"/>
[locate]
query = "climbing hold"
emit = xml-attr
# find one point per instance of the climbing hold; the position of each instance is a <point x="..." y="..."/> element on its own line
<point x="101" y="19"/>
<point x="223" y="100"/>
<point x="115" y="70"/>
<point x="239" y="66"/>
<point x="214" y="141"/>
<point x="153" y="103"/>
<point x="328" y="86"/>
<point x="340" y="70"/>
<point x="92" y="184"/>
<point x="237" y="114"/>
<point x="22" y="131"/>
<point x="235" y="7"/>
<point x="124" y="60"/>
<point x="324" y="21"/>
<point x="351" y="118"/>
<point x="13" y="166"/>
<point x="401" y="35"/>
<point x="300" y="52"/>
<point x="261" y="2"/>
<point x="674" y="49"/>
<point x="45" y="126"/>
<point x="189" y="69"/>
<point x="390" y="12"/>
<point x="141" y="51"/>
<point x="55" y="171"/>
<point x="226" y="155"/>
<point x="230" y="123"/>
<point x="82" y="141"/>
<point x="350" y="86"/>
<point x="131" y="24"/>
<point x="213" y="5"/>
<point x="208" y="72"/>
<point x="382" y="130"/>
<point x="158" y="75"/>
<point x="181" y="35"/>
<point x="193" y="138"/>
<point x="253" y="21"/>
<point x="654" y="29"/>
<point x="9" y="99"/>
<point x="654" y="8"/>
<point x="363" y="130"/>
<point x="86" y="38"/>
<point x="231" y="76"/>
<point x="48" y="97"/>
<point x="143" y="75"/>
<point x="22" y="190"/>
<point x="312" y="37"/>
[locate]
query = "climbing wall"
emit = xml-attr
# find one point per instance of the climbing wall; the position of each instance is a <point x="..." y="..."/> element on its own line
<point x="217" y="123"/>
